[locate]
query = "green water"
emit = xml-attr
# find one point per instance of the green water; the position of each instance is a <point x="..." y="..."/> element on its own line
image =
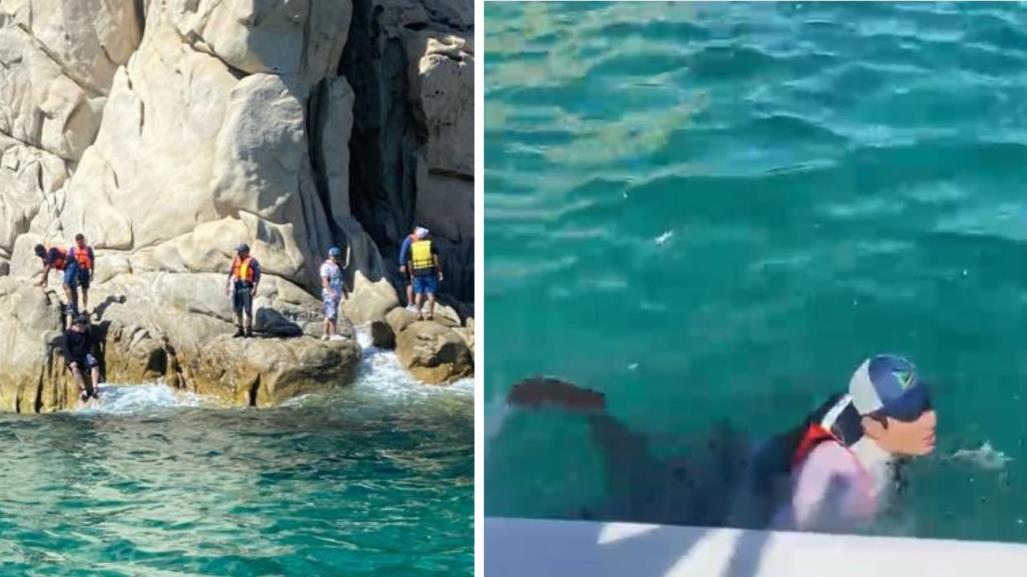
<point x="716" y="211"/>
<point x="374" y="480"/>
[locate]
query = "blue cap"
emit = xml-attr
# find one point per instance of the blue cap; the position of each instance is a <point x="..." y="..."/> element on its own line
<point x="889" y="384"/>
<point x="335" y="251"/>
<point x="242" y="248"/>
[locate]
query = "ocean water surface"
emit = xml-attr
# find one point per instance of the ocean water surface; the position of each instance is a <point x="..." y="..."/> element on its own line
<point x="376" y="479"/>
<point x="713" y="212"/>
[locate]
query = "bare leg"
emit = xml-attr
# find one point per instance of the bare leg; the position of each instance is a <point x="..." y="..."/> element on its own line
<point x="95" y="373"/>
<point x="85" y="299"/>
<point x="431" y="306"/>
<point x="79" y="380"/>
<point x="418" y="301"/>
<point x="410" y="293"/>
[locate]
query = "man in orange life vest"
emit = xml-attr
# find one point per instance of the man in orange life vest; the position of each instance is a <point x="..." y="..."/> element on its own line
<point x="78" y="271"/>
<point x="54" y="258"/>
<point x="242" y="287"/>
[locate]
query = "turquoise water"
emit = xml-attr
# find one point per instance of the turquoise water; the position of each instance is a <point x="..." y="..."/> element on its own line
<point x="375" y="480"/>
<point x="716" y="211"/>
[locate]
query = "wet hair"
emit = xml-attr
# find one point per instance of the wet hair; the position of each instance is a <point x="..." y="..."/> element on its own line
<point x="40" y="250"/>
<point x="81" y="320"/>
<point x="80" y="236"/>
<point x="880" y="417"/>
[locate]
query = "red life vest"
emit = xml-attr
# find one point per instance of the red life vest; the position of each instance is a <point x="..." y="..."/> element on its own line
<point x="242" y="270"/>
<point x="839" y="423"/>
<point x="85" y="262"/>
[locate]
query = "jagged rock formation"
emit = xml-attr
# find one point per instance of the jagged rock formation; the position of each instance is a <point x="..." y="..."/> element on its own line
<point x="168" y="131"/>
<point x="411" y="65"/>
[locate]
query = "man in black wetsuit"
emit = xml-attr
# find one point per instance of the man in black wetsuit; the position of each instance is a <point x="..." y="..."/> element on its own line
<point x="79" y="350"/>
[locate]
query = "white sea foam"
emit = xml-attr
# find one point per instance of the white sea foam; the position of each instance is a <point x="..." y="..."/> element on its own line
<point x="125" y="399"/>
<point x="985" y="457"/>
<point x="380" y="374"/>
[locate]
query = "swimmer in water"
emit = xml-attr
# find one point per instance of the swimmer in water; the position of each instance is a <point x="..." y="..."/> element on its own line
<point x="832" y="472"/>
<point x="846" y="462"/>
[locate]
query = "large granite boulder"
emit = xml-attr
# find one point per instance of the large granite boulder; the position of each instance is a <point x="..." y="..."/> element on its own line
<point x="168" y="132"/>
<point x="174" y="327"/>
<point x="433" y="353"/>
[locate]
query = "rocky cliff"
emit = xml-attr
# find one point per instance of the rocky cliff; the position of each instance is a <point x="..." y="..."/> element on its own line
<point x="168" y="131"/>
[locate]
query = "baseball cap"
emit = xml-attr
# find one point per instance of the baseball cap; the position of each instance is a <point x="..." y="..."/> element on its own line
<point x="889" y="384"/>
<point x="335" y="251"/>
<point x="242" y="248"/>
<point x="420" y="232"/>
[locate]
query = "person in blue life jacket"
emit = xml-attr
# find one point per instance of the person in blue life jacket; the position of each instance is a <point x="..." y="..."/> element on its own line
<point x="243" y="280"/>
<point x="79" y="268"/>
<point x="333" y="289"/>
<point x="835" y="471"/>
<point x="404" y="251"/>
<point x="423" y="264"/>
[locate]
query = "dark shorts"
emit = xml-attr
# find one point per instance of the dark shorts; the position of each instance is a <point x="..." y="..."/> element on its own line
<point x="426" y="284"/>
<point x="241" y="299"/>
<point x="76" y="277"/>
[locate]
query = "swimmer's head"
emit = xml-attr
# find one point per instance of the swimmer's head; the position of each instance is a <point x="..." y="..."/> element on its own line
<point x="895" y="405"/>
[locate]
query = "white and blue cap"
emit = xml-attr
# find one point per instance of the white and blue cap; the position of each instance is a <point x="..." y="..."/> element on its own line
<point x="889" y="384"/>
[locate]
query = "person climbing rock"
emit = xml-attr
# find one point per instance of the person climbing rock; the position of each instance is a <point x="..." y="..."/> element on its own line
<point x="333" y="289"/>
<point x="242" y="284"/>
<point x="80" y="354"/>
<point x="408" y="278"/>
<point x="54" y="258"/>
<point x="78" y="272"/>
<point x="423" y="263"/>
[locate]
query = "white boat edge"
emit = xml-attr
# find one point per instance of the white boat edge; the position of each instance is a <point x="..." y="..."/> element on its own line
<point x="539" y="548"/>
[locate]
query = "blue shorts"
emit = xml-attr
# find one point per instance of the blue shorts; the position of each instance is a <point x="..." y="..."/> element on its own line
<point x="70" y="275"/>
<point x="426" y="284"/>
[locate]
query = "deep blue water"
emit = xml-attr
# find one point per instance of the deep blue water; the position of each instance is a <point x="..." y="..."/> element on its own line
<point x="716" y="211"/>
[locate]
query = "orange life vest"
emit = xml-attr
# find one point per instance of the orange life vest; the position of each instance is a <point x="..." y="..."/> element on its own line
<point x="242" y="270"/>
<point x="59" y="262"/>
<point x="85" y="262"/>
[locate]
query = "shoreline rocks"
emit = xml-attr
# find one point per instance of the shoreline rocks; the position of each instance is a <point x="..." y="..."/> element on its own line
<point x="169" y="132"/>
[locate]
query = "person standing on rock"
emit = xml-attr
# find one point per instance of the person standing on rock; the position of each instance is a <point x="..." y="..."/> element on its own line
<point x="424" y="266"/>
<point x="242" y="287"/>
<point x="333" y="289"/>
<point x="78" y="272"/>
<point x="79" y="348"/>
<point x="404" y="251"/>
<point x="54" y="258"/>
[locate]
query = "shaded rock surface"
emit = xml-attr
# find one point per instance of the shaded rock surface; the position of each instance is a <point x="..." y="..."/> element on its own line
<point x="170" y="131"/>
<point x="410" y="63"/>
